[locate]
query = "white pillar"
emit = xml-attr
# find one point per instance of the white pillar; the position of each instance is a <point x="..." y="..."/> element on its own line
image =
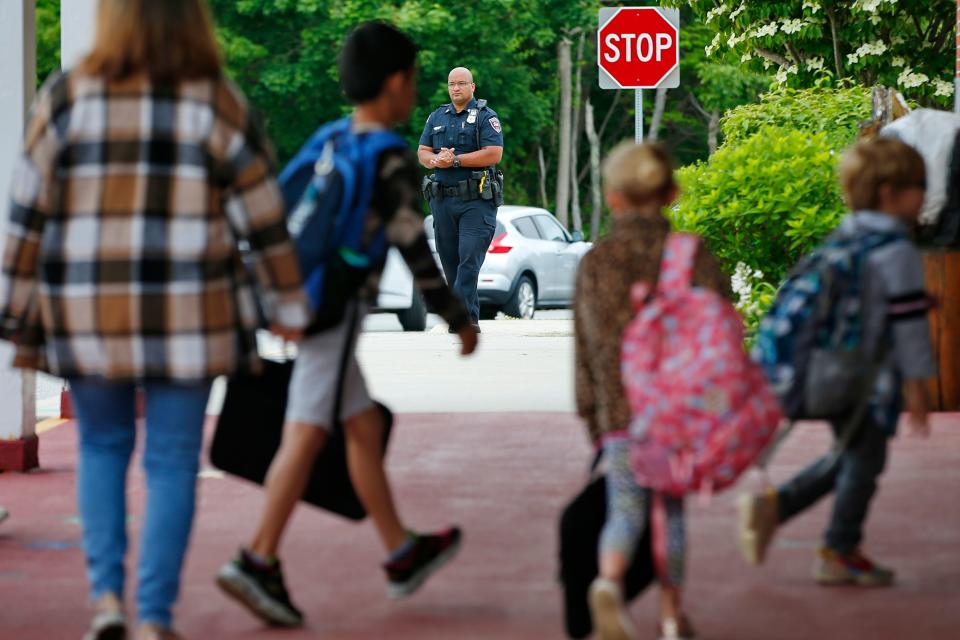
<point x="77" y="28"/>
<point x="18" y="72"/>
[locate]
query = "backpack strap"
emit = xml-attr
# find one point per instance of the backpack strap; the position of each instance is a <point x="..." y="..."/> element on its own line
<point x="676" y="265"/>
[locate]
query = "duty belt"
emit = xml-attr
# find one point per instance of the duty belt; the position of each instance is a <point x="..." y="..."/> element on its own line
<point x="471" y="189"/>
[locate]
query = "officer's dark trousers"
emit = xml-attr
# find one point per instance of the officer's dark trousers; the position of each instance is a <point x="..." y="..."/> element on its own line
<point x="463" y="231"/>
<point x="852" y="477"/>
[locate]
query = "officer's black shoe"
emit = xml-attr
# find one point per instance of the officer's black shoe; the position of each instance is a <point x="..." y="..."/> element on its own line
<point x="475" y="323"/>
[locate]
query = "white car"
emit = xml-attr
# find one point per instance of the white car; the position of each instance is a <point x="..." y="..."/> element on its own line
<point x="531" y="264"/>
<point x="399" y="295"/>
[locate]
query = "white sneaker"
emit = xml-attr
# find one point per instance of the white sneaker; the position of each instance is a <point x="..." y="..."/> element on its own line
<point x="610" y="617"/>
<point x="677" y="629"/>
<point x="757" y="523"/>
<point x="109" y="621"/>
<point x="150" y="631"/>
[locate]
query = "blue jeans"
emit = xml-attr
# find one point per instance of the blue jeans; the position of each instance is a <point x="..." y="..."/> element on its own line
<point x="853" y="479"/>
<point x="463" y="231"/>
<point x="106" y="417"/>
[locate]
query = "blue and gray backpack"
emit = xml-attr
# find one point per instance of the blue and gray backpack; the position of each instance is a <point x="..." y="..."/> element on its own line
<point x="327" y="188"/>
<point x="810" y="342"/>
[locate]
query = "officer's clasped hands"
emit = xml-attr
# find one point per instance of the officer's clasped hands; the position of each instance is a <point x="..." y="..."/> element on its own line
<point x="444" y="159"/>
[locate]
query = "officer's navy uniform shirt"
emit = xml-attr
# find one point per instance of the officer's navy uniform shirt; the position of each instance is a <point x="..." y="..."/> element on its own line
<point x="447" y="128"/>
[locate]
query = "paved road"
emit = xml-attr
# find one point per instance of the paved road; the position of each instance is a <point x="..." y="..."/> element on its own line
<point x="521" y="365"/>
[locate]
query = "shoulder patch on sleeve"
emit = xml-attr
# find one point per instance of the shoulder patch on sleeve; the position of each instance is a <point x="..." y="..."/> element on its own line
<point x="495" y="123"/>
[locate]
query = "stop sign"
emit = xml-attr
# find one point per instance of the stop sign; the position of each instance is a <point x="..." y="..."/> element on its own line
<point x="638" y="47"/>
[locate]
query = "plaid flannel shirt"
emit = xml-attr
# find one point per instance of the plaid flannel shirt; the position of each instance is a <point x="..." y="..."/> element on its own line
<point x="128" y="205"/>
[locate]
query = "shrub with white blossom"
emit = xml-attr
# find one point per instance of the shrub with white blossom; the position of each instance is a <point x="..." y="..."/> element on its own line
<point x="907" y="44"/>
<point x="754" y="295"/>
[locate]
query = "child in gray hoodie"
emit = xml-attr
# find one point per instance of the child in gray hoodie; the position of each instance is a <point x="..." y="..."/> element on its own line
<point x="883" y="183"/>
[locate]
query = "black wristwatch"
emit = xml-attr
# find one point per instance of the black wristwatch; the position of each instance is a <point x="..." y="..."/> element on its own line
<point x="456" y="162"/>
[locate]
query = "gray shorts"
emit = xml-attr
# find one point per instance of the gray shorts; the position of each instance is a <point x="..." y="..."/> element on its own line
<point x="312" y="394"/>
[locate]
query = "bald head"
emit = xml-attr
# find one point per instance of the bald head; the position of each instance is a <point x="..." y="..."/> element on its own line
<point x="460" y="86"/>
<point x="460" y="73"/>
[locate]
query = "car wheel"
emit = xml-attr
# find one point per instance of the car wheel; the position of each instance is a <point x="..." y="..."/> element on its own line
<point x="488" y="313"/>
<point x="523" y="303"/>
<point x="415" y="317"/>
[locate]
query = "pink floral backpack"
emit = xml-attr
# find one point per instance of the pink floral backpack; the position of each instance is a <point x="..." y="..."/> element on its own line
<point x="702" y="410"/>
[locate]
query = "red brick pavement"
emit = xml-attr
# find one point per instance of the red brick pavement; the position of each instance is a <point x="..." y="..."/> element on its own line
<point x="505" y="478"/>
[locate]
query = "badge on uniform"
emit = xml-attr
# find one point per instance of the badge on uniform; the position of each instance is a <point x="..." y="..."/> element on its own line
<point x="472" y="117"/>
<point x="495" y="123"/>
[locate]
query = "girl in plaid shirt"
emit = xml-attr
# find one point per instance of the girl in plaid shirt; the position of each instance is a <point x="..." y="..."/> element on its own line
<point x="142" y="171"/>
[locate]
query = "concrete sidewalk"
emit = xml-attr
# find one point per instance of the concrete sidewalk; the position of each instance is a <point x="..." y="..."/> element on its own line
<point x="504" y="477"/>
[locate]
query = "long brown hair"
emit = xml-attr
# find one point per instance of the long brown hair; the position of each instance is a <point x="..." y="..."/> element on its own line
<point x="168" y="40"/>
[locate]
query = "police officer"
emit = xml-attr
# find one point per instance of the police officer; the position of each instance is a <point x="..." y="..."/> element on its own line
<point x="462" y="142"/>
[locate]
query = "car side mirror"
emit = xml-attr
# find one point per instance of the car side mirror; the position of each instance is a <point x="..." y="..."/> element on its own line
<point x="577" y="236"/>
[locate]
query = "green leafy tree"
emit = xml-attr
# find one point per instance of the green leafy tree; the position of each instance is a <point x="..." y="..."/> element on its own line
<point x="48" y="38"/>
<point x="906" y="44"/>
<point x="283" y="54"/>
<point x="713" y="84"/>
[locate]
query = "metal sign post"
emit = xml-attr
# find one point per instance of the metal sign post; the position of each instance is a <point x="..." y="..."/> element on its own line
<point x="638" y="48"/>
<point x="638" y="117"/>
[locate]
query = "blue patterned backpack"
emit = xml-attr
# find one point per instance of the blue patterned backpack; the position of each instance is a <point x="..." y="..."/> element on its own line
<point x="810" y="342"/>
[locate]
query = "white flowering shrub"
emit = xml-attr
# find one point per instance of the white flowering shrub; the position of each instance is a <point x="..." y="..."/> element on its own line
<point x="753" y="296"/>
<point x="907" y="44"/>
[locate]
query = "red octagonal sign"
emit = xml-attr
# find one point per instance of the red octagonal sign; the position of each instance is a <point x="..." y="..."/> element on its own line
<point x="638" y="47"/>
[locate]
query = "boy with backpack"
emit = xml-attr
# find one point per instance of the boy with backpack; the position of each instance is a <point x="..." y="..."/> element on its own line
<point x="874" y="319"/>
<point x="377" y="73"/>
<point x="639" y="184"/>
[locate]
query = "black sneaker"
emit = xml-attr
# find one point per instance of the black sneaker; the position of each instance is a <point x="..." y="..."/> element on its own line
<point x="428" y="553"/>
<point x="260" y="589"/>
<point x="474" y="323"/>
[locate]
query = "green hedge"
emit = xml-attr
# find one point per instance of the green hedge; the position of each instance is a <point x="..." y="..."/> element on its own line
<point x="763" y="201"/>
<point x="832" y="112"/>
